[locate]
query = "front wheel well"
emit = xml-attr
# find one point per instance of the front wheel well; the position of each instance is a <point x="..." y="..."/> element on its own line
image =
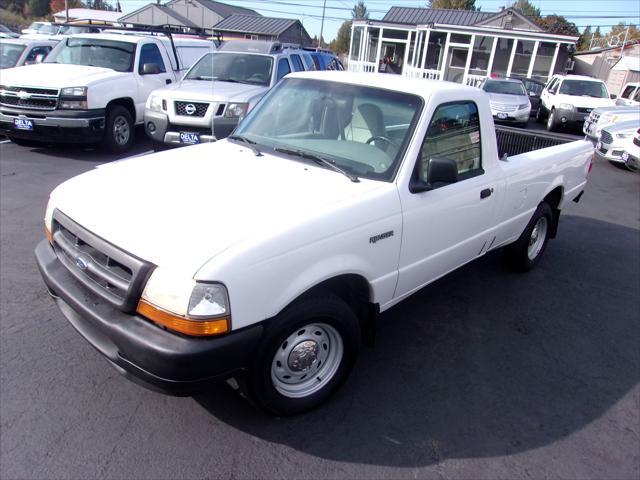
<point x="355" y="291"/>
<point x="127" y="103"/>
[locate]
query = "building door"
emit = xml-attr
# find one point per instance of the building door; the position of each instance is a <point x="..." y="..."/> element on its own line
<point x="456" y="64"/>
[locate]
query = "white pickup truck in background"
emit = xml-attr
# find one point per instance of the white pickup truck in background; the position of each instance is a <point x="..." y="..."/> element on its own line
<point x="91" y="88"/>
<point x="264" y="256"/>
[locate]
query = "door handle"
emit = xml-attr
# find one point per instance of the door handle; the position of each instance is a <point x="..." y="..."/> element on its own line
<point x="485" y="193"/>
<point x="168" y="81"/>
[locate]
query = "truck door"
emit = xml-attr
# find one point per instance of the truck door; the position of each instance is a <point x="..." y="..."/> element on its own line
<point x="156" y="74"/>
<point x="450" y="224"/>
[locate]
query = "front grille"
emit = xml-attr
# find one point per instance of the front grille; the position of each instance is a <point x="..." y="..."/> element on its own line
<point x="28" y="97"/>
<point x="503" y="107"/>
<point x="606" y="137"/>
<point x="636" y="141"/>
<point x="584" y="110"/>
<point x="106" y="270"/>
<point x="199" y="109"/>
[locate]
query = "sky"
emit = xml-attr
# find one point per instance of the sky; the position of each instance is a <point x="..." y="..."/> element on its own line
<point x="309" y="12"/>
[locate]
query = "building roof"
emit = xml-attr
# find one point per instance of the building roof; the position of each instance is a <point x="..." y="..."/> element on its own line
<point x="628" y="63"/>
<point x="223" y="9"/>
<point x="254" y="24"/>
<point x="175" y="15"/>
<point x="88" y="14"/>
<point x="420" y="16"/>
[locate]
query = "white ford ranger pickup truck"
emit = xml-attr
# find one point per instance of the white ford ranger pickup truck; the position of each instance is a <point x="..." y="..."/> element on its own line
<point x="91" y="88"/>
<point x="266" y="255"/>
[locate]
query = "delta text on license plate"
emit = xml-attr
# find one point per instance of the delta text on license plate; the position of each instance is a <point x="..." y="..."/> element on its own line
<point x="187" y="137"/>
<point x="22" y="124"/>
<point x="502" y="115"/>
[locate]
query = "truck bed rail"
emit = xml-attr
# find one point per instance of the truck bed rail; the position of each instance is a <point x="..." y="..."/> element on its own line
<point x="514" y="141"/>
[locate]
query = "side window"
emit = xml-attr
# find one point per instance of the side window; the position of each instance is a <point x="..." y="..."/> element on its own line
<point x="553" y="86"/>
<point x="283" y="68"/>
<point x="149" y="53"/>
<point x="454" y="133"/>
<point x="636" y="96"/>
<point x="297" y="63"/>
<point x="35" y="51"/>
<point x="626" y="93"/>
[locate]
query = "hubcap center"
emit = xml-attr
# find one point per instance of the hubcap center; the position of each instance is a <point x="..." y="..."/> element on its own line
<point x="303" y="356"/>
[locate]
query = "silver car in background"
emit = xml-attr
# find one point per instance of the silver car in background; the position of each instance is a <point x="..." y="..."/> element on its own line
<point x="509" y="101"/>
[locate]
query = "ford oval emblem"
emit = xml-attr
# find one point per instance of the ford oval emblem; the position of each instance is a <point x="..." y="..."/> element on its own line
<point x="190" y="109"/>
<point x="81" y="263"/>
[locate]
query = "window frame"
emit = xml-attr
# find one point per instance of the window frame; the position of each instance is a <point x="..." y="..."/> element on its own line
<point x="295" y="59"/>
<point x="280" y="60"/>
<point x="476" y="172"/>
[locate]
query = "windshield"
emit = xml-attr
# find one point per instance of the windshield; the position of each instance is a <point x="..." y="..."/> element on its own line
<point x="9" y="54"/>
<point x="584" y="88"/>
<point x="94" y="52"/>
<point x="233" y="67"/>
<point x="508" y="88"/>
<point x="364" y="130"/>
<point x="48" y="29"/>
<point x="35" y="25"/>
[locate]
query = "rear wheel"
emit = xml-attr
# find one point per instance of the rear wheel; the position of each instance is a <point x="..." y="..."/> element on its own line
<point x="119" y="129"/>
<point x="526" y="252"/>
<point x="308" y="350"/>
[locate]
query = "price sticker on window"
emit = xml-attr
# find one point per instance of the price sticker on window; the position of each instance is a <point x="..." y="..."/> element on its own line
<point x="474" y="137"/>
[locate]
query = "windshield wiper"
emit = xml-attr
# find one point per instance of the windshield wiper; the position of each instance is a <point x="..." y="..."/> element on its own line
<point x="319" y="160"/>
<point x="249" y="143"/>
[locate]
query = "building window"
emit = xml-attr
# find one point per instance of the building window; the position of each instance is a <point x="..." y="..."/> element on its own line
<point x="435" y="49"/>
<point x="501" y="57"/>
<point x="357" y="37"/>
<point x="542" y="62"/>
<point x="522" y="58"/>
<point x="374" y="38"/>
<point x="481" y="54"/>
<point x="248" y="36"/>
<point x="460" y="38"/>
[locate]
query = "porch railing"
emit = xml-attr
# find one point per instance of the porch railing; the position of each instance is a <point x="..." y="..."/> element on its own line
<point x="422" y="73"/>
<point x="474" y="80"/>
<point x="355" y="66"/>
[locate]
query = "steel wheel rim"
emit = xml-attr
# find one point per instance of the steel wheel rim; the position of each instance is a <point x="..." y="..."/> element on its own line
<point x="307" y="360"/>
<point x="121" y="130"/>
<point x="537" y="238"/>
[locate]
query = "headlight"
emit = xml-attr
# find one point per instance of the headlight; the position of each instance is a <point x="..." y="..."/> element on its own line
<point x="235" y="110"/>
<point x="74" y="92"/>
<point x="624" y="135"/>
<point x="184" y="305"/>
<point x="155" y="103"/>
<point x="566" y="106"/>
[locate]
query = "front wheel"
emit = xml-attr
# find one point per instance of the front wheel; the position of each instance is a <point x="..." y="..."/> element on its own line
<point x="526" y="252"/>
<point x="308" y="350"/>
<point x="551" y="121"/>
<point x="540" y="115"/>
<point x="119" y="129"/>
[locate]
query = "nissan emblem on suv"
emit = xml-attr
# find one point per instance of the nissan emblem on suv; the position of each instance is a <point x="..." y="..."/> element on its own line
<point x="190" y="109"/>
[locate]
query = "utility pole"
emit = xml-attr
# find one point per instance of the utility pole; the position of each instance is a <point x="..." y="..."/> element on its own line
<point x="66" y="10"/>
<point x="324" y="5"/>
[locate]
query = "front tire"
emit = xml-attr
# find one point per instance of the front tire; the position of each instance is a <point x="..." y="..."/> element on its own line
<point x="540" y="115"/>
<point x="307" y="352"/>
<point x="119" y="130"/>
<point x="526" y="252"/>
<point x="552" y="124"/>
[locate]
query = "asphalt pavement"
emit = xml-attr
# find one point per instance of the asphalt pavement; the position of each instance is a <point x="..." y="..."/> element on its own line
<point x="484" y="374"/>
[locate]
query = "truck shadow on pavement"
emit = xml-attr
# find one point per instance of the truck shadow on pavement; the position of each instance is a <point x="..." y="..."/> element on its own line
<point x="483" y="362"/>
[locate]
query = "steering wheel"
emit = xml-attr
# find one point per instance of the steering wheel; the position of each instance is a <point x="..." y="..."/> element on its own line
<point x="386" y="139"/>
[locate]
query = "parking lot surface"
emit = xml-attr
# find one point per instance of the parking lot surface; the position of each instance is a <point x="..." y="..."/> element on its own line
<point x="484" y="374"/>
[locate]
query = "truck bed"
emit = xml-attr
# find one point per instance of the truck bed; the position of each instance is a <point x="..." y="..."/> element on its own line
<point x="515" y="141"/>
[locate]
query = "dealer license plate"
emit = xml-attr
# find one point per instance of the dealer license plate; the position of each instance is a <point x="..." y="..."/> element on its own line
<point x="189" y="138"/>
<point x="22" y="124"/>
<point x="502" y="116"/>
<point x="625" y="157"/>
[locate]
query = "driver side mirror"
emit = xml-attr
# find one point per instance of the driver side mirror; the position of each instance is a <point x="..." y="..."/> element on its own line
<point x="613" y="96"/>
<point x="150" y="69"/>
<point x="440" y="172"/>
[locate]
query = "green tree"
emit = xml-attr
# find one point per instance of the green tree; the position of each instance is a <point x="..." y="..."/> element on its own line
<point x="526" y="8"/>
<point x="621" y="29"/>
<point x="359" y="10"/>
<point x="343" y="38"/>
<point x="453" y="4"/>
<point x="39" y="8"/>
<point x="559" y="25"/>
<point x="597" y="33"/>
<point x="585" y="39"/>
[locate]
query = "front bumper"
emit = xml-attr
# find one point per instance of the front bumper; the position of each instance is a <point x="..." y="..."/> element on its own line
<point x="521" y="116"/>
<point x="64" y="126"/>
<point x="631" y="161"/>
<point x="145" y="353"/>
<point x="571" y="117"/>
<point x="610" y="152"/>
<point x="160" y="129"/>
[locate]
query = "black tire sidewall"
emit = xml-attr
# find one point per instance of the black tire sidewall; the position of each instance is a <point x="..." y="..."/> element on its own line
<point x="109" y="142"/>
<point x="518" y="251"/>
<point x="327" y="309"/>
<point x="551" y="121"/>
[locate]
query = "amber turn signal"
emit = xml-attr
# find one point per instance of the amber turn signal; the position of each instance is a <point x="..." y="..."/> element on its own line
<point x="183" y="325"/>
<point x="49" y="236"/>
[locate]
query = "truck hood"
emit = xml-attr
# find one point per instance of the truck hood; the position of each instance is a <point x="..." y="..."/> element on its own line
<point x="180" y="208"/>
<point x="55" y="75"/>
<point x="200" y="90"/>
